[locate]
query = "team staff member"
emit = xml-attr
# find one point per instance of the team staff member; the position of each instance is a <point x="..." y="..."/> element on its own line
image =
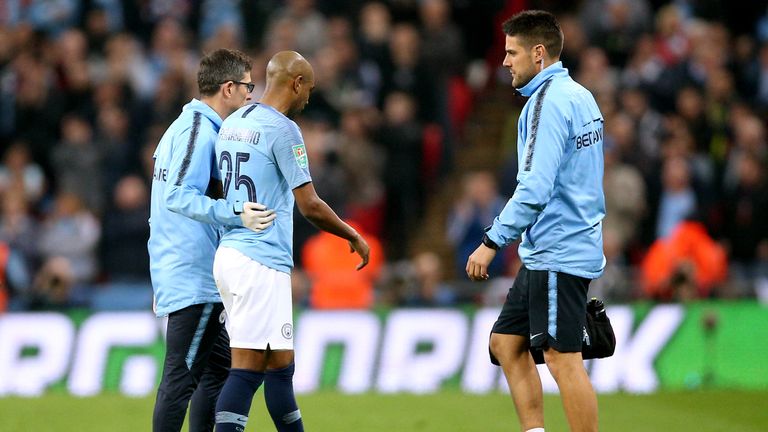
<point x="183" y="242"/>
<point x="557" y="209"/>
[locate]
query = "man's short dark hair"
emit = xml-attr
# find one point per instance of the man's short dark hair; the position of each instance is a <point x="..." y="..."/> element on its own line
<point x="219" y="67"/>
<point x="536" y="27"/>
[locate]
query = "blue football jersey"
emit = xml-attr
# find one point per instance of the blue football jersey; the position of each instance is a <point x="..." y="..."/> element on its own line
<point x="262" y="157"/>
<point x="182" y="240"/>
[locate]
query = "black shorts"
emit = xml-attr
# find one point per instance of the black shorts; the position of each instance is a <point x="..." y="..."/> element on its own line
<point x="547" y="307"/>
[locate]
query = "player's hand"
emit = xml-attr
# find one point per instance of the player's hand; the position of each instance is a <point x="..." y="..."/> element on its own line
<point x="360" y="246"/>
<point x="478" y="262"/>
<point x="256" y="217"/>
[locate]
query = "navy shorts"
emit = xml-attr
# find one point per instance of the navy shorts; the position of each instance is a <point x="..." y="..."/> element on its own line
<point x="547" y="307"/>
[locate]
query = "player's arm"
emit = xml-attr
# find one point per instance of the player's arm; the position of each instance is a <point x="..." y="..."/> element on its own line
<point x="192" y="167"/>
<point x="290" y="155"/>
<point x="537" y="174"/>
<point x="536" y="177"/>
<point x="323" y="217"/>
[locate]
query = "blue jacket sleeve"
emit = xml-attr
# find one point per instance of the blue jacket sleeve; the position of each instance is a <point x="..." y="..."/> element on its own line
<point x="542" y="155"/>
<point x="193" y="164"/>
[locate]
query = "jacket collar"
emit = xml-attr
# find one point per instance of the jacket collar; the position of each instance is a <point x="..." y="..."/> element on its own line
<point x="555" y="69"/>
<point x="204" y="109"/>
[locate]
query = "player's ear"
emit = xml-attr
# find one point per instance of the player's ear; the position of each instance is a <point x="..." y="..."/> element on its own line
<point x="538" y="53"/>
<point x="297" y="83"/>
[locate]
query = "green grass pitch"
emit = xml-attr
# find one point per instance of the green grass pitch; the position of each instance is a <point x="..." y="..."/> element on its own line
<point x="449" y="411"/>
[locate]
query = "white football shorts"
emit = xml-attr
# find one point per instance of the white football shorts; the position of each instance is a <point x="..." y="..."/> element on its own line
<point x="257" y="300"/>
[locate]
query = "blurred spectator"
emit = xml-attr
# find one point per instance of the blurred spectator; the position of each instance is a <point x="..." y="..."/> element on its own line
<point x="77" y="163"/>
<point x="374" y="33"/>
<point x="406" y="72"/>
<point x="7" y="83"/>
<point x="54" y="287"/>
<point x="363" y="162"/>
<point x="719" y="100"/>
<point x="708" y="53"/>
<point x="401" y="138"/>
<point x="126" y="232"/>
<point x="574" y="41"/>
<point x="617" y="284"/>
<point x="648" y="127"/>
<point x="762" y="77"/>
<point x="169" y="57"/>
<point x="596" y="73"/>
<point x="299" y="21"/>
<point x="429" y="288"/>
<point x="342" y="81"/>
<point x="615" y="25"/>
<point x="71" y="232"/>
<point x="622" y="138"/>
<point x="67" y="243"/>
<point x="678" y="199"/>
<point x="18" y="248"/>
<point x="112" y="140"/>
<point x="685" y="265"/>
<point x="747" y="212"/>
<point x="644" y="65"/>
<point x="126" y="63"/>
<point x="335" y="283"/>
<point x="749" y="138"/>
<point x="690" y="105"/>
<point x="219" y="16"/>
<point x="38" y="109"/>
<point x="442" y="43"/>
<point x="18" y="229"/>
<point x="394" y="284"/>
<point x="50" y="16"/>
<point x="672" y="44"/>
<point x="105" y="17"/>
<point x="624" y="200"/>
<point x="444" y="58"/>
<point x="19" y="174"/>
<point x="475" y="208"/>
<point x="328" y="178"/>
<point x="300" y="288"/>
<point x="71" y="74"/>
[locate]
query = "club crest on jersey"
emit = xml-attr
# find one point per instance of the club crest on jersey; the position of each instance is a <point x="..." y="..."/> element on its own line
<point x="300" y="153"/>
<point x="287" y="330"/>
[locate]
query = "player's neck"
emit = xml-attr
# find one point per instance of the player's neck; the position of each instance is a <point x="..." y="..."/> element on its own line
<point x="276" y="101"/>
<point x="217" y="105"/>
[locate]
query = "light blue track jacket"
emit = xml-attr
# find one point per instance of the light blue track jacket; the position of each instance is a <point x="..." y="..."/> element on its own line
<point x="183" y="241"/>
<point x="558" y="206"/>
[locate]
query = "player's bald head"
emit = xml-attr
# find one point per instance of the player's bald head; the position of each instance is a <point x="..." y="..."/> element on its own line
<point x="286" y="66"/>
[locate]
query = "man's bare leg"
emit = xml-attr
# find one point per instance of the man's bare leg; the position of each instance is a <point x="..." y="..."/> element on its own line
<point x="578" y="396"/>
<point x="522" y="378"/>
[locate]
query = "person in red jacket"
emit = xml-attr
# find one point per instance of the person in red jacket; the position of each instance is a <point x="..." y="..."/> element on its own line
<point x="331" y="268"/>
<point x="685" y="265"/>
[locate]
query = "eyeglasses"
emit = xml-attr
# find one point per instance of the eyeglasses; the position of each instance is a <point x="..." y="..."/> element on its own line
<point x="248" y="86"/>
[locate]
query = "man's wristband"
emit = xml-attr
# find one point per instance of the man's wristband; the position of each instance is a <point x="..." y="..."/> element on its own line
<point x="487" y="242"/>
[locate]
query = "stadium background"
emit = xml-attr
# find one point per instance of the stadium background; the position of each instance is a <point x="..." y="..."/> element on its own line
<point x="411" y="136"/>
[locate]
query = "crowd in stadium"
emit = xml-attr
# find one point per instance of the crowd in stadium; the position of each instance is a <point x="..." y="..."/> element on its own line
<point x="88" y="86"/>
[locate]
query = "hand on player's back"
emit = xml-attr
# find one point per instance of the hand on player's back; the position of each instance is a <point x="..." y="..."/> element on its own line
<point x="360" y="246"/>
<point x="256" y="217"/>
